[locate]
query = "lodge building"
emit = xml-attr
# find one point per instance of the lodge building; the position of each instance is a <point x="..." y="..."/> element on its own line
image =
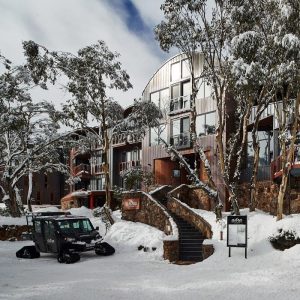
<point x="170" y="89"/>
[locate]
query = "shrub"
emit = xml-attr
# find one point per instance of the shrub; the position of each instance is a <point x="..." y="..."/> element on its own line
<point x="284" y="239"/>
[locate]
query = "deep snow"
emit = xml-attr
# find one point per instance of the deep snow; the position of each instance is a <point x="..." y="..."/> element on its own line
<point x="133" y="274"/>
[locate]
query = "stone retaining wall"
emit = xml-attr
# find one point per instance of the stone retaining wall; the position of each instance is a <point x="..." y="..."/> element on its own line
<point x="150" y="212"/>
<point x="171" y="250"/>
<point x="266" y="195"/>
<point x="208" y="250"/>
<point x="12" y="232"/>
<point x="193" y="197"/>
<point x="187" y="214"/>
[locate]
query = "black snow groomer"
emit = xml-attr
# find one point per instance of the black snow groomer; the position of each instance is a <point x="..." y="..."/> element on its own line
<point x="65" y="235"/>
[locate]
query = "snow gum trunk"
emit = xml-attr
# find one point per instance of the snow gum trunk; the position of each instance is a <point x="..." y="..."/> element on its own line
<point x="287" y="159"/>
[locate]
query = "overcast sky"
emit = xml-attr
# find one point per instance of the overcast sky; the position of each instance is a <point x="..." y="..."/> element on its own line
<point x="68" y="25"/>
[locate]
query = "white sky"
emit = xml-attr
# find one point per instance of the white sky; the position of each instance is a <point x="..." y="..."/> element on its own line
<point x="69" y="25"/>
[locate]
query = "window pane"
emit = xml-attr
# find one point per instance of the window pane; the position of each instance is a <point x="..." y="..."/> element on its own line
<point x="163" y="132"/>
<point x="185" y="68"/>
<point x="185" y="125"/>
<point x="164" y="95"/>
<point x="153" y="136"/>
<point x="164" y="98"/>
<point x="211" y="123"/>
<point x="175" y="71"/>
<point x="37" y="226"/>
<point x="154" y="97"/>
<point x="175" y="91"/>
<point x="186" y="88"/>
<point x="176" y="127"/>
<point x="200" y="125"/>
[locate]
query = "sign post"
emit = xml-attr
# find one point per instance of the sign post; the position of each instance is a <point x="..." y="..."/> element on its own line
<point x="237" y="232"/>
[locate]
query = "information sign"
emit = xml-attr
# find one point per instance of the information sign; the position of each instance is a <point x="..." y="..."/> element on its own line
<point x="237" y="232"/>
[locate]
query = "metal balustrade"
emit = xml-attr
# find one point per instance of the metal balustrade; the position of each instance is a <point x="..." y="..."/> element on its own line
<point x="128" y="165"/>
<point x="182" y="140"/>
<point x="180" y="103"/>
<point x="82" y="169"/>
<point x="125" y="138"/>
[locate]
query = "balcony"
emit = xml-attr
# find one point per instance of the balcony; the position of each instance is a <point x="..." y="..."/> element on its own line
<point x="98" y="169"/>
<point x="122" y="139"/>
<point x="83" y="171"/>
<point x="128" y="165"/>
<point x="180" y="103"/>
<point x="181" y="141"/>
<point x="276" y="165"/>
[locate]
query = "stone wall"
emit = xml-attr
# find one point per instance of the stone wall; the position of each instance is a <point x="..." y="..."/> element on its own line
<point x="162" y="193"/>
<point x="171" y="250"/>
<point x="208" y="250"/>
<point x="193" y="197"/>
<point x="12" y="232"/>
<point x="150" y="212"/>
<point x="266" y="195"/>
<point x="187" y="214"/>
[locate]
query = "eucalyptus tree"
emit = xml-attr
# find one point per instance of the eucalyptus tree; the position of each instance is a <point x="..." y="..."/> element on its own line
<point x="28" y="136"/>
<point x="251" y="68"/>
<point x="192" y="27"/>
<point x="286" y="43"/>
<point x="90" y="75"/>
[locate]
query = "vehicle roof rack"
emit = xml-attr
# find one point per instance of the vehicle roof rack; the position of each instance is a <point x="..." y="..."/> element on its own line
<point x="49" y="213"/>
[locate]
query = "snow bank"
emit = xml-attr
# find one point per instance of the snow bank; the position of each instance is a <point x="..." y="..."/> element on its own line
<point x="81" y="211"/>
<point x="47" y="209"/>
<point x="127" y="236"/>
<point x="290" y="224"/>
<point x="12" y="221"/>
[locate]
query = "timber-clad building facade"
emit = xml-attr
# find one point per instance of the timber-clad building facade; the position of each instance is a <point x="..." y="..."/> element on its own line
<point x="170" y="89"/>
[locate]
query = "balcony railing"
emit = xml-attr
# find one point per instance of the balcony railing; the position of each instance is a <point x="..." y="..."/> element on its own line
<point x="98" y="169"/>
<point x="263" y="173"/>
<point x="181" y="141"/>
<point x="269" y="111"/>
<point x="128" y="165"/>
<point x="125" y="138"/>
<point x="276" y="164"/>
<point x="180" y="103"/>
<point x="82" y="170"/>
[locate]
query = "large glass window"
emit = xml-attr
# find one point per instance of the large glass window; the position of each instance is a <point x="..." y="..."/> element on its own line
<point x="175" y="71"/>
<point x="204" y="90"/>
<point x="206" y="124"/>
<point x="158" y="133"/>
<point x="180" y="132"/>
<point x="180" y="96"/>
<point x="266" y="148"/>
<point x="186" y="88"/>
<point x="161" y="98"/>
<point x="154" y="97"/>
<point x="185" y="70"/>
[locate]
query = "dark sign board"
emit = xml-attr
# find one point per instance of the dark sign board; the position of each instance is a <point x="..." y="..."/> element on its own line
<point x="237" y="232"/>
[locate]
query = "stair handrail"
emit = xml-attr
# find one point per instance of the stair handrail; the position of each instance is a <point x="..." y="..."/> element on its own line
<point x="198" y="221"/>
<point x="174" y="228"/>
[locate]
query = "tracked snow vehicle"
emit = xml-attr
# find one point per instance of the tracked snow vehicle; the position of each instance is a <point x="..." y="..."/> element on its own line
<point x="65" y="235"/>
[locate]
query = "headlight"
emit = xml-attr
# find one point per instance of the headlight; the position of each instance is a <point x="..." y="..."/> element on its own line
<point x="68" y="239"/>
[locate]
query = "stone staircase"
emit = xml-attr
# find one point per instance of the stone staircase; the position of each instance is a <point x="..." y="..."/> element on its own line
<point x="190" y="241"/>
<point x="190" y="238"/>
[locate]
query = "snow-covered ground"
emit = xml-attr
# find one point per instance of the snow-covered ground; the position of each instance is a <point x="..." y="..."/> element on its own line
<point x="133" y="274"/>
